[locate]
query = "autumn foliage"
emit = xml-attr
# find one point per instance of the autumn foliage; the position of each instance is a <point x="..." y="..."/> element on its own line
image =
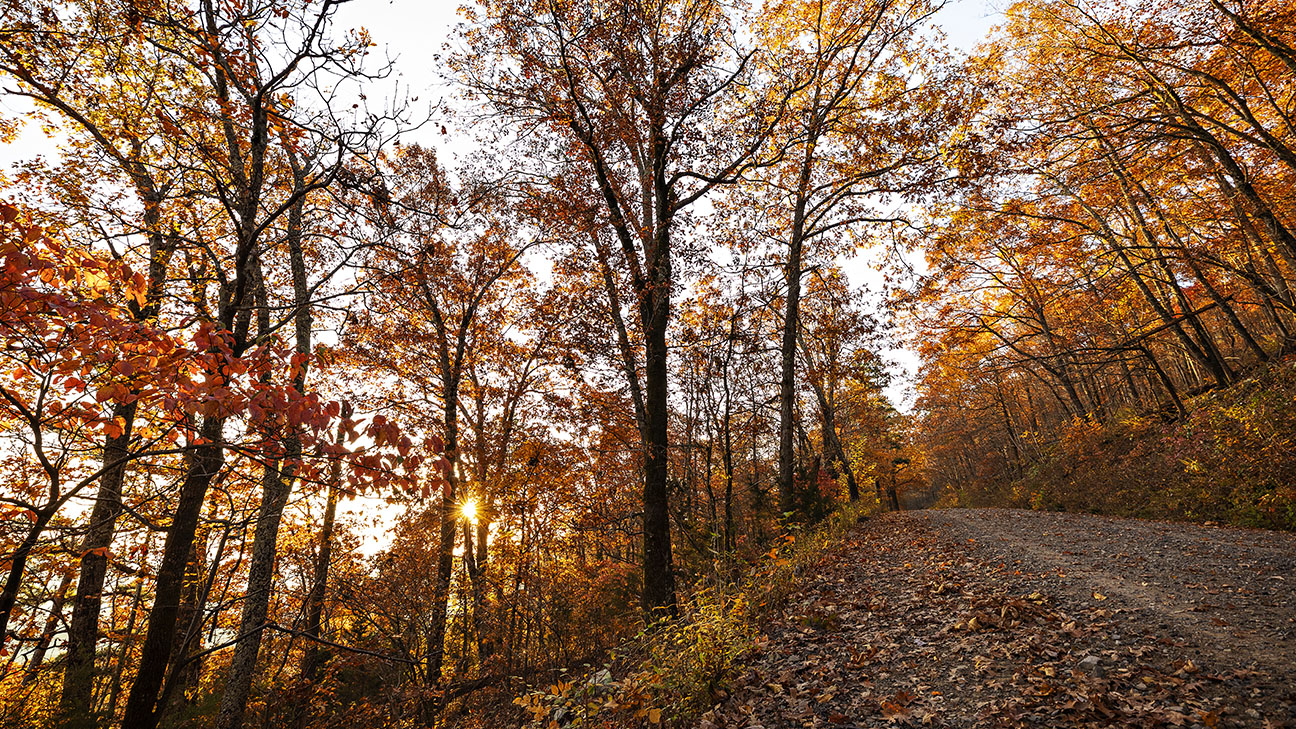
<point x="1108" y="305"/>
<point x="320" y="406"/>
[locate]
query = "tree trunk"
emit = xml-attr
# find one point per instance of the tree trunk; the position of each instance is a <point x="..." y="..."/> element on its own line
<point x="83" y="632"/>
<point x="183" y="673"/>
<point x="833" y="440"/>
<point x="659" y="575"/>
<point x="205" y="463"/>
<point x="314" y="654"/>
<point x="32" y="669"/>
<point x="787" y="381"/>
<point x="1199" y="355"/>
<point x="445" y="547"/>
<point x="276" y="485"/>
<point x="788" y="336"/>
<point x="17" y="566"/>
<point x="1164" y="377"/>
<point x="727" y="455"/>
<point x="128" y="639"/>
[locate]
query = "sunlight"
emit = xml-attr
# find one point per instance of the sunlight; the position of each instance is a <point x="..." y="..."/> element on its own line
<point x="468" y="509"/>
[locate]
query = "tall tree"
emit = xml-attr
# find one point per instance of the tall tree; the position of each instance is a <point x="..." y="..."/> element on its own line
<point x="623" y="101"/>
<point x="861" y="132"/>
<point x="450" y="266"/>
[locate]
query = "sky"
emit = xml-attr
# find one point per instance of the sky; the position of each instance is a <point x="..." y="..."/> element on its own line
<point x="415" y="33"/>
<point x="417" y="30"/>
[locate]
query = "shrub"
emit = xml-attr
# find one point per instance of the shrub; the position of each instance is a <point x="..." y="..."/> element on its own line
<point x="1232" y="459"/>
<point x="676" y="670"/>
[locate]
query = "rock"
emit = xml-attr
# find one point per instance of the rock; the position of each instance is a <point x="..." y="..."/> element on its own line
<point x="1090" y="665"/>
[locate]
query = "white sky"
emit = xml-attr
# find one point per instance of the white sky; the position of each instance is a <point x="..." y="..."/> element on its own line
<point x="414" y="33"/>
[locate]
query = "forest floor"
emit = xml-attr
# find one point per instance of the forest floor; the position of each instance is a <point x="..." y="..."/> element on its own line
<point x="1006" y="618"/>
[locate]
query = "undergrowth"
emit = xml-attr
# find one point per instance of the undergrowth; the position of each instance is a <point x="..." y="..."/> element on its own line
<point x="675" y="670"/>
<point x="1231" y="460"/>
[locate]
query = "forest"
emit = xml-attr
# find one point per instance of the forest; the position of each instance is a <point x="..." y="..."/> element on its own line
<point x="329" y="400"/>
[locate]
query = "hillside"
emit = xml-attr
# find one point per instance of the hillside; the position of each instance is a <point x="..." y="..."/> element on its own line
<point x="1231" y="459"/>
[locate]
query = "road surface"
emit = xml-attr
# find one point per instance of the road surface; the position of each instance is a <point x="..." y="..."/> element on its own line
<point x="1008" y="618"/>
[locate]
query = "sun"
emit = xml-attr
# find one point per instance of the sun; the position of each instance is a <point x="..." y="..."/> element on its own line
<point x="468" y="509"/>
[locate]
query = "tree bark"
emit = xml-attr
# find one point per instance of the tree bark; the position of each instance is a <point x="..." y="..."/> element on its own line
<point x="659" y="575"/>
<point x="206" y="461"/>
<point x="83" y="632"/>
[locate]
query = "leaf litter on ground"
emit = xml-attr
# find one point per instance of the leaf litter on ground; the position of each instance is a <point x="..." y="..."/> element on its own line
<point x="936" y="619"/>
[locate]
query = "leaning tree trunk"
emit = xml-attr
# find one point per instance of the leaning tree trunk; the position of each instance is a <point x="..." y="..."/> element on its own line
<point x="18" y="565"/>
<point x="205" y="463"/>
<point x="276" y="486"/>
<point x="185" y="666"/>
<point x="83" y="631"/>
<point x="32" y="669"/>
<point x="832" y="439"/>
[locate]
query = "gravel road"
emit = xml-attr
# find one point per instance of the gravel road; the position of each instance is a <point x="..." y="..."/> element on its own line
<point x="1004" y="618"/>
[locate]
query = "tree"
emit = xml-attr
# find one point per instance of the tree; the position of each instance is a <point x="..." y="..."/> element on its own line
<point x="858" y="136"/>
<point x="620" y="100"/>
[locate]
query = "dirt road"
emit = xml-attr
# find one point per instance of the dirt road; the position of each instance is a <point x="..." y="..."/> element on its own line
<point x="1004" y="618"/>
